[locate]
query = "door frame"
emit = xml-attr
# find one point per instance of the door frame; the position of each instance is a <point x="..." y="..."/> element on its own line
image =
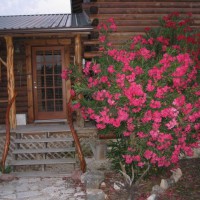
<point x="29" y="67"/>
<point x="47" y="115"/>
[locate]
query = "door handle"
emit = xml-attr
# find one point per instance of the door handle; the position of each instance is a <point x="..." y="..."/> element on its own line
<point x="35" y="84"/>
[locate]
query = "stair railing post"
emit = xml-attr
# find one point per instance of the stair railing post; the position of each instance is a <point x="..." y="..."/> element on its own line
<point x="7" y="141"/>
<point x="75" y="136"/>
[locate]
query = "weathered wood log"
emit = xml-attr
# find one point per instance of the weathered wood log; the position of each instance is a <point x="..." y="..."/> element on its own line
<point x="7" y="141"/>
<point x="76" y="6"/>
<point x="92" y="54"/>
<point x="78" y="62"/>
<point x="94" y="9"/>
<point x="132" y="17"/>
<point x="94" y="35"/>
<point x="29" y="85"/>
<point x="75" y="136"/>
<point x="4" y="63"/>
<point x="11" y="79"/>
<point x="89" y="48"/>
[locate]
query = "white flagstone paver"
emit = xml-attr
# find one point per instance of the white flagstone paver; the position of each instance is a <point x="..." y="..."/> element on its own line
<point x="40" y="189"/>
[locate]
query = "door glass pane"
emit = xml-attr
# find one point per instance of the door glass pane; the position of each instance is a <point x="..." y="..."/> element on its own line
<point x="59" y="105"/>
<point x="41" y="106"/>
<point x="49" y="81"/>
<point x="48" y="56"/>
<point x="58" y="93"/>
<point x="58" y="80"/>
<point x="57" y="69"/>
<point x="50" y="106"/>
<point x="57" y="56"/>
<point x="49" y="93"/>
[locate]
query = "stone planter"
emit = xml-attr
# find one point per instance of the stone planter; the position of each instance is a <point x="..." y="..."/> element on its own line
<point x="99" y="149"/>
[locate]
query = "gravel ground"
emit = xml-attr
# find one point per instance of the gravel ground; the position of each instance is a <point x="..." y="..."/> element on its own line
<point x="187" y="188"/>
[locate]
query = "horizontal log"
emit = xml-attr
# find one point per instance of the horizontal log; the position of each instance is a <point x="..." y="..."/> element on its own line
<point x="137" y="29"/>
<point x="151" y="16"/>
<point x="134" y="22"/>
<point x="147" y="1"/>
<point x="174" y="4"/>
<point x="93" y="9"/>
<point x="90" y="42"/>
<point x="49" y="42"/>
<point x="21" y="99"/>
<point x="93" y="54"/>
<point x="146" y="10"/>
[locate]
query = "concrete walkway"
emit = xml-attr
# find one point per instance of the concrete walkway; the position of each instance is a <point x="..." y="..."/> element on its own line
<point x="38" y="188"/>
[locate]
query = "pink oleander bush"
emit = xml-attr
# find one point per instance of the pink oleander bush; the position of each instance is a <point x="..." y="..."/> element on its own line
<point x="146" y="93"/>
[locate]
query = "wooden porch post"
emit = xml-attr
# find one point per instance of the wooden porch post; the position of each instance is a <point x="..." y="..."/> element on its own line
<point x="11" y="79"/>
<point x="29" y="84"/>
<point x="78" y="61"/>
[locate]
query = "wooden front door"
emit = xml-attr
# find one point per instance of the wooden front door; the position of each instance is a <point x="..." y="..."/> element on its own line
<point x="48" y="86"/>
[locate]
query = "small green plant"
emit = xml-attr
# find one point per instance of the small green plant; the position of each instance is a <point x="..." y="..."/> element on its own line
<point x="7" y="170"/>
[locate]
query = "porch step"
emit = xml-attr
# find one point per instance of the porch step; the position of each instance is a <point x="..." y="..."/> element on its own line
<point x="44" y="140"/>
<point x="43" y="162"/>
<point x="44" y="150"/>
<point x="50" y="121"/>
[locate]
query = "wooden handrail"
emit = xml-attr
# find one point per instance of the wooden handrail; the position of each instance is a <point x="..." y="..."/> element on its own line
<point x="7" y="142"/>
<point x="75" y="136"/>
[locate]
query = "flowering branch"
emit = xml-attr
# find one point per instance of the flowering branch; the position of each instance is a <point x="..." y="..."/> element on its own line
<point x="146" y="93"/>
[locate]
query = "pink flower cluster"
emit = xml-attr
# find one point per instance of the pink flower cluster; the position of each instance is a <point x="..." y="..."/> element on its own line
<point x="151" y="97"/>
<point x="66" y="73"/>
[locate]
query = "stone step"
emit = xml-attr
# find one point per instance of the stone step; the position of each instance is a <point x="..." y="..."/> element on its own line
<point x="44" y="140"/>
<point x="44" y="150"/>
<point x="43" y="162"/>
<point x="44" y="174"/>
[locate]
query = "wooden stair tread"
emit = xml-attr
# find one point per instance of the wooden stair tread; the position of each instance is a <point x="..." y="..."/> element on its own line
<point x="45" y="150"/>
<point x="47" y="140"/>
<point x="42" y="128"/>
<point x="43" y="162"/>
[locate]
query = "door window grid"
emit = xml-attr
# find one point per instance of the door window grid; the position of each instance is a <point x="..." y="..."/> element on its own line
<point x="49" y="80"/>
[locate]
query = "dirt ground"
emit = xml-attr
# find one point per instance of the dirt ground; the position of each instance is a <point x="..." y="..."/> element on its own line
<point x="187" y="188"/>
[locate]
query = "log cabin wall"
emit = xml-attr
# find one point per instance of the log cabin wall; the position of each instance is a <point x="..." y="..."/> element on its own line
<point x="20" y="80"/>
<point x="132" y="16"/>
<point x="76" y="6"/>
<point x="21" y="73"/>
<point x="46" y="41"/>
<point x="3" y="82"/>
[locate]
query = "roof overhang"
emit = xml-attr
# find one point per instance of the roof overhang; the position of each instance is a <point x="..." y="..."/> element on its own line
<point x="22" y="32"/>
<point x="44" y="24"/>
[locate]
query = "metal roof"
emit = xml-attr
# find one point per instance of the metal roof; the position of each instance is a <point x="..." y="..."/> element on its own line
<point x="44" y="23"/>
